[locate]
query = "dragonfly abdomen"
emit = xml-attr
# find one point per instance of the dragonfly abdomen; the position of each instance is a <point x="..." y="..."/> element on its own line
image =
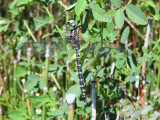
<point x="80" y="75"/>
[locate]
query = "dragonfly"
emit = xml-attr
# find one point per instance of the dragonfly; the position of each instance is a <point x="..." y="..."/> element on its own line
<point x="75" y="41"/>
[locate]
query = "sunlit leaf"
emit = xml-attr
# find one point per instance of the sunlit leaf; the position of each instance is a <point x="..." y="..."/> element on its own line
<point x="135" y="14"/>
<point x="16" y="115"/>
<point x="114" y="35"/>
<point x="23" y="3"/>
<point x="100" y="14"/>
<point x="154" y="10"/>
<point x="125" y="34"/>
<point x="38" y="101"/>
<point x="70" y="7"/>
<point x="131" y="79"/>
<point x="75" y="89"/>
<point x="80" y="103"/>
<point x="57" y="112"/>
<point x="119" y="18"/>
<point x="80" y="6"/>
<point x="110" y="26"/>
<point x="32" y="82"/>
<point x="116" y="3"/>
<point x="131" y="60"/>
<point x="146" y="109"/>
<point x="20" y="72"/>
<point x="4" y="22"/>
<point x="41" y="21"/>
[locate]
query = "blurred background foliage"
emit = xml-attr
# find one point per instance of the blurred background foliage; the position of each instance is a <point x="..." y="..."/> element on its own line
<point x="30" y="82"/>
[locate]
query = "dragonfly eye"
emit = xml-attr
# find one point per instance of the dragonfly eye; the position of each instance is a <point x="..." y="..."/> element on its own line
<point x="70" y="22"/>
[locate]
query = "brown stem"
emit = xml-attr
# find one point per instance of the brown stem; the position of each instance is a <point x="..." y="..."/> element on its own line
<point x="143" y="73"/>
<point x="38" y="14"/>
<point x="132" y="26"/>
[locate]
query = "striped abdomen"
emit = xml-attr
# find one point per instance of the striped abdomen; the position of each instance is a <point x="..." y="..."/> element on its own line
<point x="80" y="75"/>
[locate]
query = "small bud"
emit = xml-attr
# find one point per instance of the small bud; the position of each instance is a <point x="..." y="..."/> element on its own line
<point x="25" y="91"/>
<point x="143" y="82"/>
<point x="32" y="92"/>
<point x="137" y="98"/>
<point x="37" y="94"/>
<point x="5" y="78"/>
<point x="155" y="97"/>
<point x="45" y="89"/>
<point x="14" y="79"/>
<point x="0" y="111"/>
<point x="144" y="91"/>
<point x="54" y="89"/>
<point x="23" y="82"/>
<point x="38" y="111"/>
<point x="70" y="98"/>
<point x="28" y="72"/>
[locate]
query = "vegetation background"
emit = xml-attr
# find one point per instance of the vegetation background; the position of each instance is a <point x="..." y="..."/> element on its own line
<point x="122" y="81"/>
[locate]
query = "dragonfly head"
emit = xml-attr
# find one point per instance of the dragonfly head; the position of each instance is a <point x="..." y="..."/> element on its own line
<point x="72" y="23"/>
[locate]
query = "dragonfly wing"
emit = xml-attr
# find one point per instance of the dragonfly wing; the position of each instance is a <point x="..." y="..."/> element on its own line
<point x="39" y="48"/>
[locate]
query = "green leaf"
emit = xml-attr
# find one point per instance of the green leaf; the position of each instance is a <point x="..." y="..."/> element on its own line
<point x="89" y="77"/>
<point x="75" y="89"/>
<point x="38" y="101"/>
<point x="41" y="21"/>
<point x="146" y="109"/>
<point x="105" y="33"/>
<point x="131" y="79"/>
<point x="116" y="3"/>
<point x="131" y="60"/>
<point x="4" y="21"/>
<point x="120" y="63"/>
<point x="21" y="43"/>
<point x="102" y="3"/>
<point x="4" y="28"/>
<point x="20" y="72"/>
<point x="144" y="49"/>
<point x="23" y="3"/>
<point x="80" y="6"/>
<point x="154" y="10"/>
<point x="89" y="109"/>
<point x="80" y="103"/>
<point x="119" y="18"/>
<point x="100" y="14"/>
<point x="32" y="82"/>
<point x="125" y="35"/>
<point x="135" y="14"/>
<point x="16" y="115"/>
<point x="57" y="112"/>
<point x="70" y="7"/>
<point x="53" y="67"/>
<point x="110" y="26"/>
<point x="114" y="35"/>
<point x="5" y="24"/>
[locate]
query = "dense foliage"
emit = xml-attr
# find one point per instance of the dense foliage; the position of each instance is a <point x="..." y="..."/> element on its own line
<point x="124" y="74"/>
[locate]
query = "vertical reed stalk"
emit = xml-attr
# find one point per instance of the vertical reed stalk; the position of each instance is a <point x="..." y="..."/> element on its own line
<point x="14" y="83"/>
<point x="70" y="100"/>
<point x="67" y="74"/>
<point x="143" y="73"/>
<point x="113" y="67"/>
<point x="94" y="96"/>
<point x="38" y="14"/>
<point x="29" y="31"/>
<point x="26" y="95"/>
<point x="45" y="89"/>
<point x="1" y="116"/>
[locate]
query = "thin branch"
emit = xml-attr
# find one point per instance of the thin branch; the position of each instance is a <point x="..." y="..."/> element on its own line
<point x="132" y="26"/>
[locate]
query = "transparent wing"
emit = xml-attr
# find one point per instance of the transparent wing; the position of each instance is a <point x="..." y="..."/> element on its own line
<point x="57" y="43"/>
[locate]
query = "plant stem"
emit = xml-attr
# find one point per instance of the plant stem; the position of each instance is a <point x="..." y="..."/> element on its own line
<point x="29" y="31"/>
<point x="45" y="81"/>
